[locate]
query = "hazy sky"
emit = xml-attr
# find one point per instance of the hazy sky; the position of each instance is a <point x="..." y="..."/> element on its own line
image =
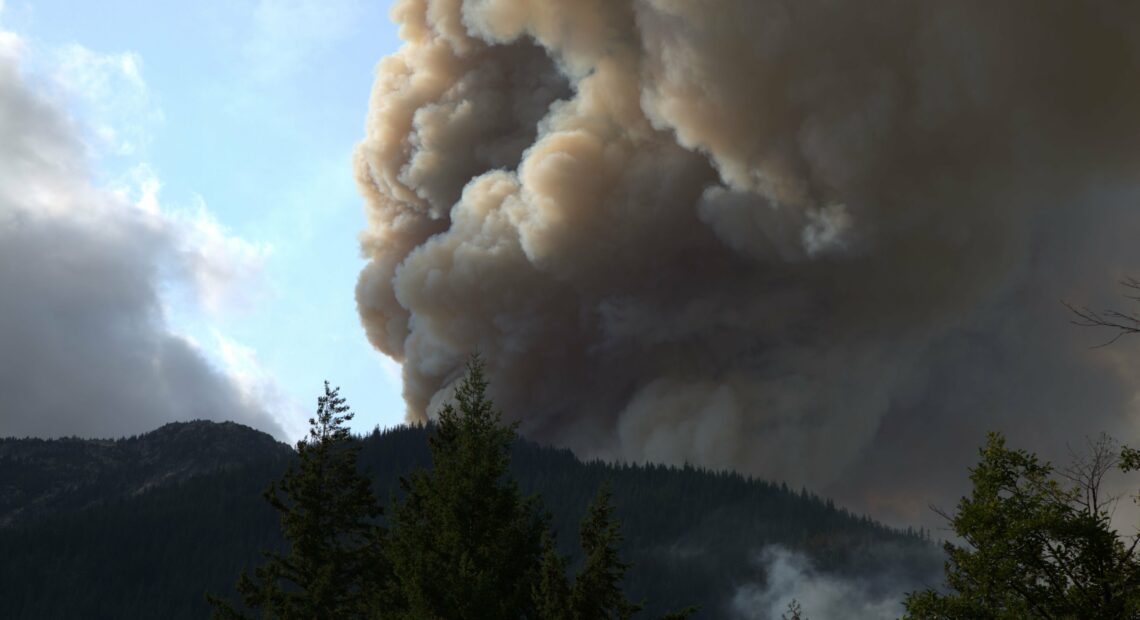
<point x="234" y="121"/>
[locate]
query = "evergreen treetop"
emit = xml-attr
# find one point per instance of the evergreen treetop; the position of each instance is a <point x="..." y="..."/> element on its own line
<point x="329" y="520"/>
<point x="465" y="543"/>
<point x="597" y="589"/>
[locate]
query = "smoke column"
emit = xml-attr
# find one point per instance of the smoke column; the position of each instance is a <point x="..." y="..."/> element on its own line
<point x="816" y="241"/>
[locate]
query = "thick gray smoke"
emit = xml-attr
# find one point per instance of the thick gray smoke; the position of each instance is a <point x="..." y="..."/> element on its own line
<point x="84" y="348"/>
<point x="817" y="241"/>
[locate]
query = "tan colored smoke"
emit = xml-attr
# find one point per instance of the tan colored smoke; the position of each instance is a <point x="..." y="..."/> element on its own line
<point x="810" y="240"/>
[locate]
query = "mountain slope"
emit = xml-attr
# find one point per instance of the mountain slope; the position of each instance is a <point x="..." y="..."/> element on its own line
<point x="46" y="477"/>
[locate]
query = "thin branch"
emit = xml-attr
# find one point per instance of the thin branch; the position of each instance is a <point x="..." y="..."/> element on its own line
<point x="1087" y="470"/>
<point x="1124" y="323"/>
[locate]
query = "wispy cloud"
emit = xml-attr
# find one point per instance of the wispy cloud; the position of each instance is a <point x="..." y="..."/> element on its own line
<point x="109" y="92"/>
<point x="112" y="108"/>
<point x="225" y="271"/>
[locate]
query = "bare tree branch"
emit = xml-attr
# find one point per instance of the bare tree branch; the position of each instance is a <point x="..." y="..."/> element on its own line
<point x="1122" y="322"/>
<point x="1087" y="469"/>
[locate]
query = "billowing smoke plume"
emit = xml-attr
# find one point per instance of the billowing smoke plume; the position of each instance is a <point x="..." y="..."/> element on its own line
<point x="818" y="241"/>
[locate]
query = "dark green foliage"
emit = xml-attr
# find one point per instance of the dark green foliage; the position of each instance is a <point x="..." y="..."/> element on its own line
<point x="552" y="592"/>
<point x="1035" y="548"/>
<point x="148" y="556"/>
<point x="329" y="519"/>
<point x="465" y="543"/>
<point x="596" y="592"/>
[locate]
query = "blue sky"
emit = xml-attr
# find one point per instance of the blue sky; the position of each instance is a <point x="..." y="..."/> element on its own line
<point x="237" y="119"/>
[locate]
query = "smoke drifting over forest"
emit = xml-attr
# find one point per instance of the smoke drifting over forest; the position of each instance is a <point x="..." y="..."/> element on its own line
<point x="816" y="241"/>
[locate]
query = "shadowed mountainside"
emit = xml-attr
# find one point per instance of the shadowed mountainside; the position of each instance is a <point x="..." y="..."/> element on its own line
<point x="48" y="477"/>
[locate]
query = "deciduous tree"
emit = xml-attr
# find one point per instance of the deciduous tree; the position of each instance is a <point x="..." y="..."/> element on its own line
<point x="1037" y="543"/>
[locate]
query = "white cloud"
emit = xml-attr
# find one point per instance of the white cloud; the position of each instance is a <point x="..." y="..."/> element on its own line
<point x="258" y="386"/>
<point x="108" y="97"/>
<point x="109" y="92"/>
<point x="84" y="269"/>
<point x="109" y="100"/>
<point x="225" y="270"/>
<point x="11" y="46"/>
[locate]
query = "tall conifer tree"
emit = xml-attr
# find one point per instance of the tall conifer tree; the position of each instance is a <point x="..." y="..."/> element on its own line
<point x="597" y="590"/>
<point x="596" y="593"/>
<point x="465" y="543"/>
<point x="552" y="592"/>
<point x="334" y="567"/>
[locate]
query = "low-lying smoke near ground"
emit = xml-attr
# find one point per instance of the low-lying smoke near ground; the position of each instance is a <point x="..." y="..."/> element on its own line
<point x="816" y="241"/>
<point x="790" y="576"/>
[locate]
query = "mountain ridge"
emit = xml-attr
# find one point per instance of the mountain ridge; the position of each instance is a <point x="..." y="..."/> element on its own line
<point x="139" y="551"/>
<point x="41" y="476"/>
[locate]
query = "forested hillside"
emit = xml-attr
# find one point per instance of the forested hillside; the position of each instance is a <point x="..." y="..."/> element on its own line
<point x="149" y="537"/>
<point x="47" y="477"/>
